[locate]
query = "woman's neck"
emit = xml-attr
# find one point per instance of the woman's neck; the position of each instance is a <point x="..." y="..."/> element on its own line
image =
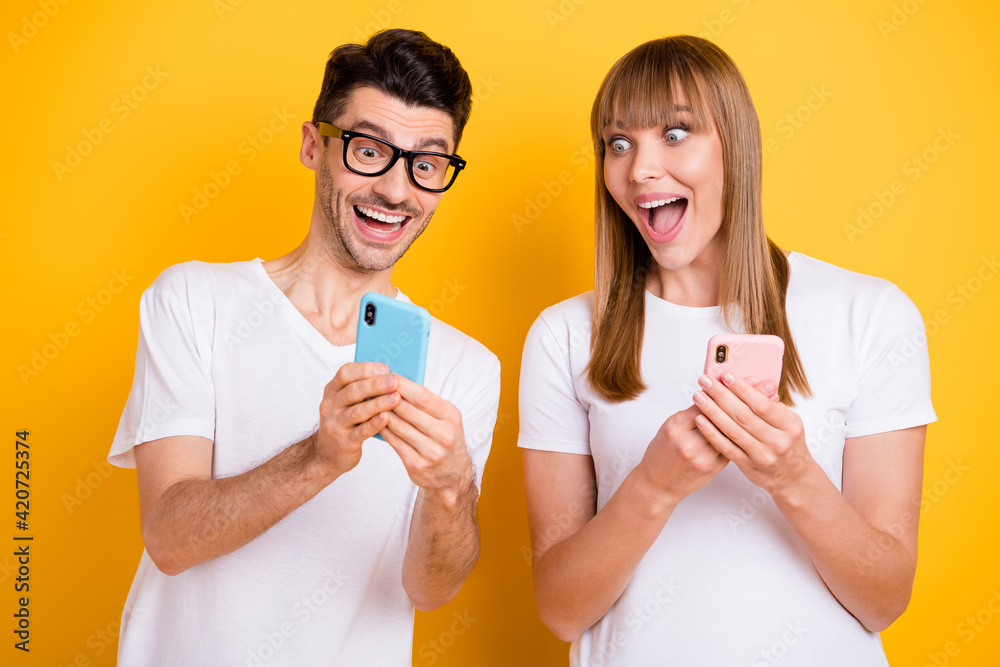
<point x="696" y="285"/>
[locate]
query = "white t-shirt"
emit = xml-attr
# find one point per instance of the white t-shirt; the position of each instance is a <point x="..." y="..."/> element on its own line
<point x="728" y="582"/>
<point x="224" y="354"/>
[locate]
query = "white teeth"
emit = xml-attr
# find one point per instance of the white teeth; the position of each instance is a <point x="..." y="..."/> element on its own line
<point x="395" y="227"/>
<point x="659" y="202"/>
<point x="381" y="217"/>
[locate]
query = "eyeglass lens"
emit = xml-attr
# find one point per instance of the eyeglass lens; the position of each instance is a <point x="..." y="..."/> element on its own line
<point x="370" y="156"/>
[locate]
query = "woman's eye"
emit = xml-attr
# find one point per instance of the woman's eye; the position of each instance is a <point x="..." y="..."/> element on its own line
<point x="675" y="134"/>
<point x="619" y="145"/>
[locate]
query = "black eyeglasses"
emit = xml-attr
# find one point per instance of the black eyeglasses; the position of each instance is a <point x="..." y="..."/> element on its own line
<point x="371" y="156"/>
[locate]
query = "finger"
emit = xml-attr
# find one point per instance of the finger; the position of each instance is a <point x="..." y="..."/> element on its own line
<point x="420" y="420"/>
<point x="410" y="436"/>
<point x="412" y="460"/>
<point x="364" y="389"/>
<point x="772" y="411"/>
<point x="362" y="412"/>
<point x="425" y="399"/>
<point x="745" y="406"/>
<point x="352" y="372"/>
<point x="728" y="425"/>
<point x="728" y="450"/>
<point x="687" y="417"/>
<point x="369" y="428"/>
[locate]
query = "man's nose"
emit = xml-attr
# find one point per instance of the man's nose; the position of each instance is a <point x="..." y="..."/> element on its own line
<point x="394" y="185"/>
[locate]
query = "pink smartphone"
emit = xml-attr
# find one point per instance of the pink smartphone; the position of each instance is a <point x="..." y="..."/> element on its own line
<point x="745" y="355"/>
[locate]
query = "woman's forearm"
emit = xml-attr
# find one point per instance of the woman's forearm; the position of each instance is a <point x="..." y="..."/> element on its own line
<point x="868" y="570"/>
<point x="580" y="578"/>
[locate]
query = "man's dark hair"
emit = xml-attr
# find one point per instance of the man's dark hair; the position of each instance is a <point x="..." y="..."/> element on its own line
<point x="405" y="64"/>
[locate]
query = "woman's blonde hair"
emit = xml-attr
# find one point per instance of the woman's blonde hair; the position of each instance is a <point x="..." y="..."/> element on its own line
<point x="638" y="92"/>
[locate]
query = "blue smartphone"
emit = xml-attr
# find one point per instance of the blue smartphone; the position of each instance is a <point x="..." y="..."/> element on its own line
<point x="394" y="333"/>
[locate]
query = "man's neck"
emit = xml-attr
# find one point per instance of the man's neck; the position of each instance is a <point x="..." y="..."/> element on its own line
<point x="324" y="291"/>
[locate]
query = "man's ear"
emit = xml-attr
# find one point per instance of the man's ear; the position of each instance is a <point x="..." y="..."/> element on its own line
<point x="312" y="146"/>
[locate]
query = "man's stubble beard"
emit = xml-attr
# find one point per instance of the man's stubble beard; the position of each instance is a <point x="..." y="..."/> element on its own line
<point x="342" y="244"/>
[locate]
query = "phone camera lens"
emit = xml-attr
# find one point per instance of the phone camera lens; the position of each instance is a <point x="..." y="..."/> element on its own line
<point x="370" y="314"/>
<point x="720" y="354"/>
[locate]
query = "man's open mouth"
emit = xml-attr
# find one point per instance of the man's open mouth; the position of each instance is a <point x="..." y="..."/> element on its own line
<point x="380" y="221"/>
<point x="663" y="215"/>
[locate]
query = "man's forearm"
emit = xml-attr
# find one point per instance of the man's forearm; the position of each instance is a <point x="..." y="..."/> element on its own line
<point x="197" y="520"/>
<point x="443" y="546"/>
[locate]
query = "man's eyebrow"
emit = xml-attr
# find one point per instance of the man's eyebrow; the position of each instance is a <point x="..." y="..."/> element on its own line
<point x="377" y="130"/>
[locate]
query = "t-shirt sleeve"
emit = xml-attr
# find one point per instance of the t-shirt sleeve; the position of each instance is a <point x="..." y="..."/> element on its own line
<point x="479" y="417"/>
<point x="172" y="390"/>
<point x="895" y="379"/>
<point x="552" y="417"/>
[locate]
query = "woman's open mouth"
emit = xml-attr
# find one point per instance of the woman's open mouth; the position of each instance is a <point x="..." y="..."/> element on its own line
<point x="663" y="218"/>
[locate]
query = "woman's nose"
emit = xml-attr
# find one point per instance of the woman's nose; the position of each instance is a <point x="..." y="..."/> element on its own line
<point x="648" y="163"/>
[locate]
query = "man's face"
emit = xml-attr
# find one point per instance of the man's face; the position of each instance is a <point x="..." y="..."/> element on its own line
<point x="352" y="203"/>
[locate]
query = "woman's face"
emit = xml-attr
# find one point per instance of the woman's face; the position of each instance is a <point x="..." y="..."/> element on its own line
<point x="668" y="179"/>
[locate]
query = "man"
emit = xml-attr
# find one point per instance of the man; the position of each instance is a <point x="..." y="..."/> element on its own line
<point x="273" y="537"/>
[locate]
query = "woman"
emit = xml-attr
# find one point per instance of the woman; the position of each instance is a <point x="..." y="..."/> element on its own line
<point x="680" y="521"/>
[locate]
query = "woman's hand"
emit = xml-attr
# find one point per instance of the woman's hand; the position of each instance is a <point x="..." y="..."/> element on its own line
<point x="679" y="459"/>
<point x="744" y="423"/>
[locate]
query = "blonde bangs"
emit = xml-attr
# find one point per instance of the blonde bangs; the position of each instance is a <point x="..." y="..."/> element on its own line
<point x="640" y="91"/>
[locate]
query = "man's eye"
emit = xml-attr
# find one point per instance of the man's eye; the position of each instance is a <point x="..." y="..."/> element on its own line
<point x="369" y="152"/>
<point x="675" y="134"/>
<point x="423" y="166"/>
<point x="619" y="145"/>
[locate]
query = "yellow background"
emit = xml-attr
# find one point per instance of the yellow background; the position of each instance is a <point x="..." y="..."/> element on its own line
<point x="893" y="75"/>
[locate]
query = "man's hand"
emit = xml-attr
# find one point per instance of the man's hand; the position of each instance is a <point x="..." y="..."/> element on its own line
<point x="426" y="432"/>
<point x="356" y="405"/>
